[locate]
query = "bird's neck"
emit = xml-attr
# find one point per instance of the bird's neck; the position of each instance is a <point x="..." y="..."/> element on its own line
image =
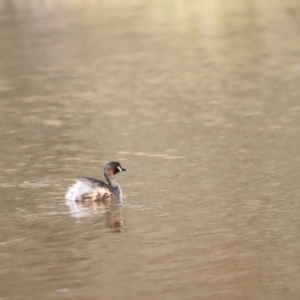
<point x="112" y="182"/>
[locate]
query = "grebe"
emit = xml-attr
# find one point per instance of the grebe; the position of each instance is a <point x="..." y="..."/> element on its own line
<point x="90" y="189"/>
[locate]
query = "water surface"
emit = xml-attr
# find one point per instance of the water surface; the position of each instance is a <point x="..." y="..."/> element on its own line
<point x="199" y="100"/>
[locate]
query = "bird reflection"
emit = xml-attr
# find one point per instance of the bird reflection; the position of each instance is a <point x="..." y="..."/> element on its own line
<point x="113" y="218"/>
<point x="112" y="212"/>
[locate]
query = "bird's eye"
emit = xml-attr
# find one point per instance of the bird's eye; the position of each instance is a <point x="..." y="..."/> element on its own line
<point x="119" y="168"/>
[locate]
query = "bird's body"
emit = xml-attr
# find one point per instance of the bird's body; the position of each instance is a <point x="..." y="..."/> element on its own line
<point x="91" y="189"/>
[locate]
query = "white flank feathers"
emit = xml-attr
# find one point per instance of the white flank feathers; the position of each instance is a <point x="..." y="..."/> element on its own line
<point x="76" y="190"/>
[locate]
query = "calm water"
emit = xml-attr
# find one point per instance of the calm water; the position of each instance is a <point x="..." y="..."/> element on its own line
<point x="199" y="100"/>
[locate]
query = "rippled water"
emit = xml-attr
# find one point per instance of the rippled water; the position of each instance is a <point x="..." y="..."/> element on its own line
<point x="199" y="100"/>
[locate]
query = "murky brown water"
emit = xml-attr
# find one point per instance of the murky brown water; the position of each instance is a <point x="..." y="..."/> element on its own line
<point x="199" y="100"/>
